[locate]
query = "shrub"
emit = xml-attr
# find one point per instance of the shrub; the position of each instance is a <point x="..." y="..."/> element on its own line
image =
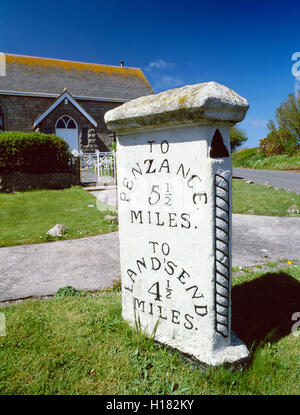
<point x="33" y="153"/>
<point x="279" y="142"/>
<point x="272" y="144"/>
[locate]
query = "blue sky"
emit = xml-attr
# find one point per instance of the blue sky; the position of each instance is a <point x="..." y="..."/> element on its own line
<point x="247" y="46"/>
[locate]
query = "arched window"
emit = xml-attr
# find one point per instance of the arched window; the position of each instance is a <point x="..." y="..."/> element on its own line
<point x="1" y="120"/>
<point x="66" y="122"/>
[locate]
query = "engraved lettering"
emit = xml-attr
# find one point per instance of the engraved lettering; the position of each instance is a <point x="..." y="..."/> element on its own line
<point x="182" y="276"/>
<point x="165" y="165"/>
<point x="188" y="323"/>
<point x="172" y="220"/>
<point x="139" y="262"/>
<point x="181" y="168"/>
<point x="137" y="304"/>
<point x="175" y="317"/>
<point x="171" y="267"/>
<point x="136" y="216"/>
<point x="135" y="170"/>
<point x="151" y="142"/>
<point x="130" y="273"/>
<point x="164" y="146"/>
<point x="185" y="217"/>
<point x="195" y="288"/>
<point x="149" y="171"/>
<point x="194" y="176"/>
<point x="124" y="197"/>
<point x="200" y="310"/>
<point x="128" y="183"/>
<point x="156" y="264"/>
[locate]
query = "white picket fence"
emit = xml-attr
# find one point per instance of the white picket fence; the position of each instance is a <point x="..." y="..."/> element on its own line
<point x="93" y="166"/>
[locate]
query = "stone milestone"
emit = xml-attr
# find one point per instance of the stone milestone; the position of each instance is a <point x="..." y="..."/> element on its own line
<point x="174" y="197"/>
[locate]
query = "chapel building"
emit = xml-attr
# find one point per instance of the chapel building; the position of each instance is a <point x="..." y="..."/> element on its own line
<point x="65" y="98"/>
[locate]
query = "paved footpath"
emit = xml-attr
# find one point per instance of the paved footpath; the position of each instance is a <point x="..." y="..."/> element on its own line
<point x="37" y="270"/>
<point x="93" y="262"/>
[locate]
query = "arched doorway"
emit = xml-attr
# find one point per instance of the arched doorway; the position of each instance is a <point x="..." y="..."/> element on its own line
<point x="67" y="129"/>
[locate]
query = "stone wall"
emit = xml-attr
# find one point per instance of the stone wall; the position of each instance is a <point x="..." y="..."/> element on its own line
<point x="11" y="182"/>
<point x="20" y="113"/>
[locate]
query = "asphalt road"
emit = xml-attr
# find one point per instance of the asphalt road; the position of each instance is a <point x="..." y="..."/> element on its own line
<point x="281" y="179"/>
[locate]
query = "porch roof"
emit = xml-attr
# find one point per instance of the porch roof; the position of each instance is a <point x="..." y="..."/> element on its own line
<point x="64" y="95"/>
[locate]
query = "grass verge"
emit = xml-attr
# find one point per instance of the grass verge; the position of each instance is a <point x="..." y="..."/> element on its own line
<point x="256" y="199"/>
<point x="25" y="217"/>
<point x="252" y="158"/>
<point x="81" y="345"/>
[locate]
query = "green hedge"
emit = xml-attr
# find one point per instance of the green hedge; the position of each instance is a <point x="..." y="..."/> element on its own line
<point x="33" y="153"/>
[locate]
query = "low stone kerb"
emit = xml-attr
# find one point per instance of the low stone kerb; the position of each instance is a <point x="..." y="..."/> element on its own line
<point x="201" y="104"/>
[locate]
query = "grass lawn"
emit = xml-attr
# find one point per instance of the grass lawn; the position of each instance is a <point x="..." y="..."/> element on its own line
<point x="256" y="199"/>
<point x="252" y="158"/>
<point x="81" y="345"/>
<point x="25" y="217"/>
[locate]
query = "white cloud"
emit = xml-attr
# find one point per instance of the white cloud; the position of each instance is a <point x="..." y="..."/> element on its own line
<point x="159" y="64"/>
<point x="162" y="75"/>
<point x="259" y="123"/>
<point x="168" y="81"/>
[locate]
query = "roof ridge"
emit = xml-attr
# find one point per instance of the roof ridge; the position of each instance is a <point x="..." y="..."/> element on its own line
<point x="70" y="61"/>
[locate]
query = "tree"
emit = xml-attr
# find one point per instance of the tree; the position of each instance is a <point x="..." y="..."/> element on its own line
<point x="285" y="138"/>
<point x="237" y="137"/>
<point x="288" y="116"/>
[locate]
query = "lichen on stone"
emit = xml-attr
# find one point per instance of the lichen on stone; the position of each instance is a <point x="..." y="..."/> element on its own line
<point x="210" y="101"/>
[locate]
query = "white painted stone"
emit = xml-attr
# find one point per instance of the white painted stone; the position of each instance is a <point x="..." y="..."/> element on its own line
<point x="174" y="204"/>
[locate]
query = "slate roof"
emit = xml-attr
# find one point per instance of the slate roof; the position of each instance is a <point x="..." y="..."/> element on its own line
<point x="51" y="76"/>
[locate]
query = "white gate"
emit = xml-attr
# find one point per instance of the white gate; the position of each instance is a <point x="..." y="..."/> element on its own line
<point x="93" y="166"/>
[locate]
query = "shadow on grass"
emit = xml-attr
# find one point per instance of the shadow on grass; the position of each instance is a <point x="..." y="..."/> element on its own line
<point x="262" y="308"/>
